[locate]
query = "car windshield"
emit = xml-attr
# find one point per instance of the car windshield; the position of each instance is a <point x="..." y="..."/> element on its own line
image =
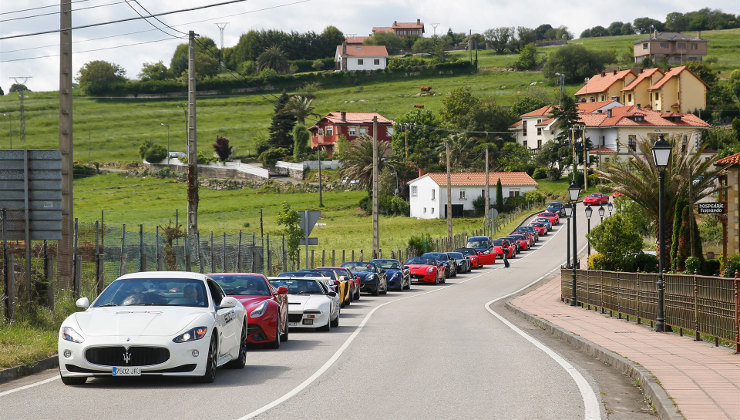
<point x="243" y="285"/>
<point x="537" y="224"/>
<point x="597" y="195"/>
<point x="318" y="273"/>
<point x="498" y="242"/>
<point x="455" y="255"/>
<point x="547" y="214"/>
<point x="419" y="260"/>
<point x="154" y="292"/>
<point x="359" y="266"/>
<point x="466" y="251"/>
<point x="393" y="264"/>
<point x="299" y="286"/>
<point x="478" y="243"/>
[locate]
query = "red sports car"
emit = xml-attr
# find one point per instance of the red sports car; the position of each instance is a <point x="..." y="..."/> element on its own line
<point x="595" y="199"/>
<point x="470" y="254"/>
<point x="521" y="240"/>
<point x="425" y="270"/>
<point x="483" y="247"/>
<point x="266" y="306"/>
<point x="617" y="194"/>
<point x="500" y="244"/>
<point x="539" y="227"/>
<point x="554" y="218"/>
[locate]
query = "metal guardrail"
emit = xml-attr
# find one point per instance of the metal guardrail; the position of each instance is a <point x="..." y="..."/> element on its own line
<point x="703" y="304"/>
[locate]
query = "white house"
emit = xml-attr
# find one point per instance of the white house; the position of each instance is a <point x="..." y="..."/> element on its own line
<point x="353" y="57"/>
<point x="428" y="193"/>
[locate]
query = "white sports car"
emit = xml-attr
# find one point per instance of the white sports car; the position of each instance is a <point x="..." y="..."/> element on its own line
<point x="154" y="323"/>
<point x="311" y="304"/>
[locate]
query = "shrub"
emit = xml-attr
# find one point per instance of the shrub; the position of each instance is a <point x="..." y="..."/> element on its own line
<point x="693" y="265"/>
<point x="420" y="244"/>
<point x="512" y="203"/>
<point x="554" y="174"/>
<point x="272" y="155"/>
<point x="711" y="267"/>
<point x="534" y="196"/>
<point x="400" y="206"/>
<point x="479" y="204"/>
<point x="599" y="262"/>
<point x="731" y="265"/>
<point x="645" y="263"/>
<point x="156" y="153"/>
<point x="388" y="205"/>
<point x="539" y="173"/>
<point x="143" y="147"/>
<point x="83" y="171"/>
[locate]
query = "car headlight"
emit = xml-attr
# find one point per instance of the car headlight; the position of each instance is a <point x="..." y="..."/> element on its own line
<point x="259" y="310"/>
<point x="191" y="335"/>
<point x="430" y="269"/>
<point x="70" y="334"/>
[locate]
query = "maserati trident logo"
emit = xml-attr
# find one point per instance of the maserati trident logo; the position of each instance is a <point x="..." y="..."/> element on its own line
<point x="126" y="357"/>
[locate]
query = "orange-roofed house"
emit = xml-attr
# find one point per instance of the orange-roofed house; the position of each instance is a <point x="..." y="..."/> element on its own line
<point x="731" y="180"/>
<point x="605" y="86"/>
<point x="403" y="29"/>
<point x="353" y="57"/>
<point x="679" y="90"/>
<point x="636" y="93"/>
<point x="428" y="193"/>
<point x="351" y="125"/>
<point x="673" y="47"/>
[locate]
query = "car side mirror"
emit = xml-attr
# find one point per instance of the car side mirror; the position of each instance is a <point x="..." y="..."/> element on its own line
<point x="83" y="303"/>
<point x="405" y="267"/>
<point x="282" y="290"/>
<point x="227" y="302"/>
<point x="332" y="294"/>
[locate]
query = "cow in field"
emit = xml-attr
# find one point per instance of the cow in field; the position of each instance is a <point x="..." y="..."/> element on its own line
<point x="419" y="106"/>
<point x="426" y="88"/>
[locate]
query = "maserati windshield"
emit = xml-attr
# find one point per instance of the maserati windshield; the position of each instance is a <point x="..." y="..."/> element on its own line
<point x="154" y="292"/>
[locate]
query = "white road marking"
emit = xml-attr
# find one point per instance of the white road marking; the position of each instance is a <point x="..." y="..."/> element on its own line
<point x="21" y="388"/>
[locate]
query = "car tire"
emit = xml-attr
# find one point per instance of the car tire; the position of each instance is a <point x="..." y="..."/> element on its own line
<point x="284" y="337"/>
<point x="240" y="362"/>
<point x="376" y="292"/>
<point x="211" y="362"/>
<point x="276" y="343"/>
<point x="73" y="380"/>
<point x="357" y="294"/>
<point x="335" y="323"/>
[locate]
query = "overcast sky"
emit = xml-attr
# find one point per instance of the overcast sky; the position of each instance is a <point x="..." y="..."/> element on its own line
<point x="19" y="56"/>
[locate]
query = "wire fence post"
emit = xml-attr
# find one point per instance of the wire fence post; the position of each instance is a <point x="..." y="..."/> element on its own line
<point x="122" y="263"/>
<point x="197" y="252"/>
<point x="213" y="268"/>
<point x="239" y="254"/>
<point x="187" y="252"/>
<point x="323" y="258"/>
<point x="75" y="262"/>
<point x="269" y="257"/>
<point x="343" y="259"/>
<point x="142" y="261"/>
<point x="223" y="263"/>
<point x="98" y="261"/>
<point x="157" y="259"/>
<point x="285" y="257"/>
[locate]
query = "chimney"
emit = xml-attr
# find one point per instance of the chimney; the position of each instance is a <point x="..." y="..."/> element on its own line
<point x="698" y="34"/>
<point x="603" y="74"/>
<point x="614" y="72"/>
<point x="418" y="21"/>
<point x="395" y="23"/>
<point x="344" y="116"/>
<point x="638" y="106"/>
<point x="655" y="33"/>
<point x="344" y="48"/>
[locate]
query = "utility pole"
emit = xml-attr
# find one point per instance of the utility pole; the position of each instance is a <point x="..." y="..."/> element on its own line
<point x="406" y="140"/>
<point x="192" y="145"/>
<point x="65" y="265"/>
<point x="449" y="195"/>
<point x="585" y="156"/>
<point x="221" y="27"/>
<point x="321" y="198"/>
<point x="434" y="25"/>
<point x="470" y="45"/>
<point x="487" y="197"/>
<point x="22" y="108"/>
<point x="376" y="239"/>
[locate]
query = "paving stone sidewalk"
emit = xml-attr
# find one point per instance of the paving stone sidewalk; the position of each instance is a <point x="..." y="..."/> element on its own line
<point x="702" y="380"/>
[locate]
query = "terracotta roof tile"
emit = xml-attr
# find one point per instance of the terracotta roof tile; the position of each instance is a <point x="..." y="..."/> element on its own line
<point x="354" y="50"/>
<point x="479" y="178"/>
<point x="592" y="106"/>
<point x="516" y="124"/>
<point x="383" y="29"/>
<point x="729" y="160"/>
<point x="355" y="39"/>
<point x="408" y="25"/>
<point x="601" y="82"/>
<point x="545" y="122"/>
<point x="645" y="74"/>
<point x="620" y="116"/>
<point x="540" y="112"/>
<point x="355" y="118"/>
<point x="602" y="149"/>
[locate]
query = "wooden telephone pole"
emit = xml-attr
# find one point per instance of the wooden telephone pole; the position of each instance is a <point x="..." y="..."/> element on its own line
<point x="376" y="239"/>
<point x="65" y="265"/>
<point x="449" y="198"/>
<point x="192" y="146"/>
<point x="487" y="197"/>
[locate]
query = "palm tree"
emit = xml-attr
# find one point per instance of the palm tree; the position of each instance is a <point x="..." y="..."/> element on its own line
<point x="357" y="163"/>
<point x="273" y="58"/>
<point x="463" y="151"/>
<point x="637" y="179"/>
<point x="301" y="107"/>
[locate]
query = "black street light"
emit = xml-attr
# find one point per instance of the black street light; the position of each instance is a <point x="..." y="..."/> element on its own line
<point x="602" y="210"/>
<point x="568" y="213"/>
<point x="168" y="140"/>
<point x="611" y="207"/>
<point x="661" y="155"/>
<point x="573" y="191"/>
<point x="589" y="211"/>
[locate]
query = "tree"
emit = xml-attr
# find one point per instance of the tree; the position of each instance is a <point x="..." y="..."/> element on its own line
<point x="457" y="105"/>
<point x="568" y="119"/>
<point x="424" y="45"/>
<point x="419" y="128"/>
<point x="527" y="104"/>
<point x="1" y="91"/>
<point x="646" y="25"/>
<point x="499" y="196"/>
<point x="676" y="22"/>
<point x="301" y="137"/>
<point x="598" y="31"/>
<point x="98" y="76"/>
<point x="18" y="87"/>
<point x="576" y="62"/>
<point x="301" y="107"/>
<point x="329" y="39"/>
<point x="273" y="58"/>
<point x="627" y="29"/>
<point x="290" y="221"/>
<point x="222" y="148"/>
<point x="462" y="151"/>
<point x="515" y="157"/>
<point x="357" y="163"/>
<point x="615" y="28"/>
<point x="498" y="38"/>
<point x="154" y="71"/>
<point x="615" y="238"/>
<point x="282" y="124"/>
<point x="527" y="58"/>
<point x="206" y="59"/>
<point x="393" y="43"/>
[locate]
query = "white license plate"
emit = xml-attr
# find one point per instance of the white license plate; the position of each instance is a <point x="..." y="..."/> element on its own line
<point x="126" y="371"/>
<point x="292" y="324"/>
<point x="308" y="322"/>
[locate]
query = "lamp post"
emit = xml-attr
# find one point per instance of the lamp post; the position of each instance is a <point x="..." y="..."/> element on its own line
<point x="187" y="143"/>
<point x="661" y="155"/>
<point x="573" y="191"/>
<point x="168" y="140"/>
<point x="10" y="125"/>
<point x="611" y="207"/>
<point x="562" y="85"/>
<point x="589" y="211"/>
<point x="602" y="210"/>
<point x="568" y="213"/>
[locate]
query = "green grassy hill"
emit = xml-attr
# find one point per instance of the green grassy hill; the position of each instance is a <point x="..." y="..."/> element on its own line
<point x="111" y="129"/>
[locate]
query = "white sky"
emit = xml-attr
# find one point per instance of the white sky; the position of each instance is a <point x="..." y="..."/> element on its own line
<point x="350" y="16"/>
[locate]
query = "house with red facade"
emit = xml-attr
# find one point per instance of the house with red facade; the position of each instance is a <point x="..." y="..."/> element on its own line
<point x="351" y="125"/>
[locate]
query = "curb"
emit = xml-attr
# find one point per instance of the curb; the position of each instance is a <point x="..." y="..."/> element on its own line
<point x="7" y="375"/>
<point x="664" y="406"/>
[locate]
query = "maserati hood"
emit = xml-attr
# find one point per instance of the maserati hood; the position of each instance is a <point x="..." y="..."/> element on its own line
<point x="136" y="320"/>
<point x="303" y="302"/>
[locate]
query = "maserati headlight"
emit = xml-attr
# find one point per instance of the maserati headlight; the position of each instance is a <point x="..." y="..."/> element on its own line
<point x="430" y="269"/>
<point x="191" y="335"/>
<point x="259" y="310"/>
<point x="70" y="334"/>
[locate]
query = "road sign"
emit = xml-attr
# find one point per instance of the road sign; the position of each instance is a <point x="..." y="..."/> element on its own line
<point x="492" y="213"/>
<point x="712" y="208"/>
<point x="311" y="241"/>
<point x="308" y="220"/>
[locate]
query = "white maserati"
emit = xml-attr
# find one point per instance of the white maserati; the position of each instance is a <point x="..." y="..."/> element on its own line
<point x="154" y="323"/>
<point x="311" y="304"/>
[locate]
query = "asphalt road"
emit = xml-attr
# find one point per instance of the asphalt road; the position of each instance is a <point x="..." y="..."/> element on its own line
<point x="431" y="352"/>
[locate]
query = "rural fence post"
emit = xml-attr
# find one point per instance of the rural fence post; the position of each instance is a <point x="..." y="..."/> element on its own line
<point x="380" y="253"/>
<point x="361" y="256"/>
<point x="343" y="259"/>
<point x="239" y="254"/>
<point x="75" y="287"/>
<point x="353" y="255"/>
<point x="157" y="260"/>
<point x="311" y="265"/>
<point x="637" y="293"/>
<point x="187" y="251"/>
<point x="98" y="262"/>
<point x="50" y="279"/>
<point x="122" y="266"/>
<point x="269" y="257"/>
<point x="142" y="263"/>
<point x="197" y="251"/>
<point x="333" y="258"/>
<point x="10" y="308"/>
<point x="601" y="289"/>
<point x="223" y="254"/>
<point x="393" y="254"/>
<point x="253" y="257"/>
<point x="213" y="269"/>
<point x="697" y="335"/>
<point x="285" y="257"/>
<point x="78" y="276"/>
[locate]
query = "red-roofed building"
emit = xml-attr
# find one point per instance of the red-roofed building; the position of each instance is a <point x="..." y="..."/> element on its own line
<point x="428" y="193"/>
<point x="679" y="90"/>
<point x="731" y="180"/>
<point x="351" y="125"/>
<point x="360" y="57"/>
<point x="605" y="86"/>
<point x="355" y="40"/>
<point x="636" y="93"/>
<point x="674" y="47"/>
<point x="403" y="29"/>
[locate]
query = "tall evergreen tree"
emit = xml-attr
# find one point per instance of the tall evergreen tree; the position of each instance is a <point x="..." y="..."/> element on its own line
<point x="282" y="124"/>
<point x="499" y="196"/>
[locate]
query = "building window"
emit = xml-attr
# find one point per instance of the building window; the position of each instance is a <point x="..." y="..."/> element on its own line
<point x="632" y="142"/>
<point x="414" y="191"/>
<point x="329" y="130"/>
<point x="663" y="45"/>
<point x="681" y="45"/>
<point x="462" y="195"/>
<point x="539" y="131"/>
<point x="363" y="131"/>
<point x="629" y="97"/>
<point x="425" y="210"/>
<point x="603" y="97"/>
<point x="352" y="131"/>
<point x="389" y="131"/>
<point x="434" y="194"/>
<point x="376" y="61"/>
<point x="644" y="45"/>
<point x="360" y="62"/>
<point x="514" y="193"/>
<point x="694" y="46"/>
<point x="321" y="131"/>
<point x="432" y="210"/>
<point x="524" y="143"/>
<point x="539" y="144"/>
<point x="524" y="128"/>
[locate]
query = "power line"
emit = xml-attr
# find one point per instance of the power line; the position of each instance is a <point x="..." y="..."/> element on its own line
<point x="86" y="51"/>
<point x="91" y="25"/>
<point x="159" y="20"/>
<point x="146" y="19"/>
<point x="38" y="8"/>
<point x="57" y="12"/>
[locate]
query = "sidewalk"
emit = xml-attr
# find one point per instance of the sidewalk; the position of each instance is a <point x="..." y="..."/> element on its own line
<point x="702" y="380"/>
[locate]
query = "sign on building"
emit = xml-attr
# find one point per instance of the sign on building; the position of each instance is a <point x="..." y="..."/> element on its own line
<point x="712" y="208"/>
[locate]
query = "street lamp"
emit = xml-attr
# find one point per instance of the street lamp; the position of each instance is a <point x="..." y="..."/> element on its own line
<point x="10" y="125"/>
<point x="573" y="191"/>
<point x="568" y="213"/>
<point x="168" y="140"/>
<point x="611" y="207"/>
<point x="589" y="211"/>
<point x="661" y="155"/>
<point x="602" y="210"/>
<point x="562" y="85"/>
